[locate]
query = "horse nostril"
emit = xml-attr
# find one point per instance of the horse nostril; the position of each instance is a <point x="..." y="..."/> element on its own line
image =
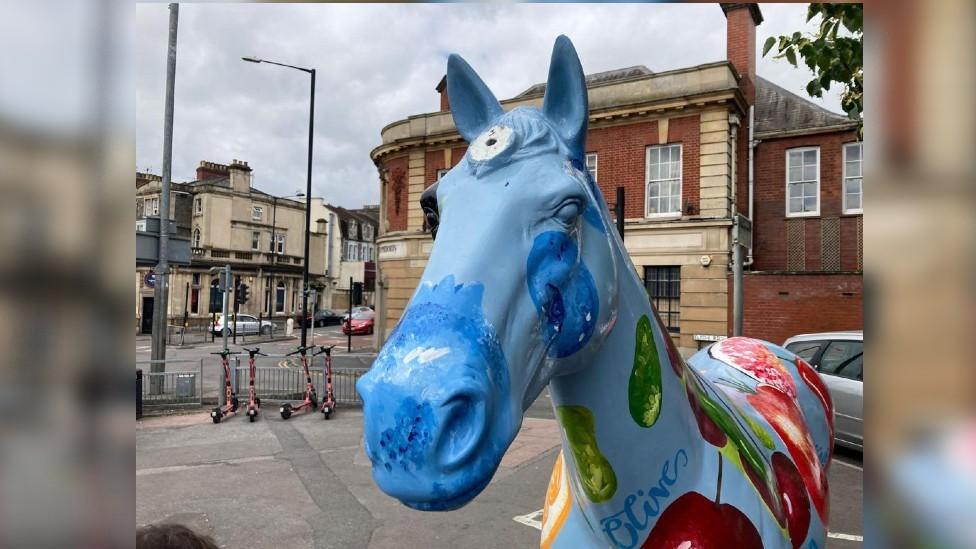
<point x="463" y="424"/>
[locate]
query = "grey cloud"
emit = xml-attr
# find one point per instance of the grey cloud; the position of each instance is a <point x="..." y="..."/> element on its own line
<point x="379" y="63"/>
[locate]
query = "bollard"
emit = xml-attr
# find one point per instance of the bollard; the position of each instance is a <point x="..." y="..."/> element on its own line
<point x="138" y="394"/>
<point x="289" y="327"/>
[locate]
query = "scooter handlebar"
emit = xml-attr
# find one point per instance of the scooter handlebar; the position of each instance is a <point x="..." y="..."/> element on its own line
<point x="300" y="350"/>
<point x="255" y="351"/>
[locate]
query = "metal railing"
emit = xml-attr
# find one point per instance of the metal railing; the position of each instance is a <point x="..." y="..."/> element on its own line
<point x="286" y="380"/>
<point x="182" y="387"/>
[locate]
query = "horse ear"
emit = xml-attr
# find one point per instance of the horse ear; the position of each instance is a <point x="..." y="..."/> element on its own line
<point x="565" y="104"/>
<point x="472" y="103"/>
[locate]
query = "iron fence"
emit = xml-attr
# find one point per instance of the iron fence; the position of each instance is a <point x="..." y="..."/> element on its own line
<point x="177" y="335"/>
<point x="176" y="388"/>
<point x="288" y="383"/>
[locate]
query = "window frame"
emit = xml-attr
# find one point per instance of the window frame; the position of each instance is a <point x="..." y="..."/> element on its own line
<point x="843" y="189"/>
<point x="786" y="177"/>
<point x="596" y="164"/>
<point x="441" y="172"/>
<point x="196" y="237"/>
<point x="259" y="210"/>
<point x="279" y="244"/>
<point x="198" y="205"/>
<point x="647" y="181"/>
<point x="666" y="316"/>
<point x="256" y="240"/>
<point x="151" y="206"/>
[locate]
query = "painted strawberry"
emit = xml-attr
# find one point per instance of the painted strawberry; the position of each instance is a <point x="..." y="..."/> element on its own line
<point x="816" y="384"/>
<point x="755" y="359"/>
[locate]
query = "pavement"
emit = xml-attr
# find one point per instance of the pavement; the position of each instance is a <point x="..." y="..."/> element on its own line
<point x="306" y="483"/>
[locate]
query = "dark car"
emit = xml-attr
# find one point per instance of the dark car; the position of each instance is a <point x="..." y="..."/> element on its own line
<point x="326" y="317"/>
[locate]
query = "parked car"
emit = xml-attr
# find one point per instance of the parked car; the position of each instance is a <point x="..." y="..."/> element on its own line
<point x="326" y="317"/>
<point x="246" y="324"/>
<point x="359" y="309"/>
<point x="839" y="357"/>
<point x="362" y="323"/>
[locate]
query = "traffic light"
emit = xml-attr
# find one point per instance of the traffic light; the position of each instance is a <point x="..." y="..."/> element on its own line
<point x="357" y="293"/>
<point x="243" y="294"/>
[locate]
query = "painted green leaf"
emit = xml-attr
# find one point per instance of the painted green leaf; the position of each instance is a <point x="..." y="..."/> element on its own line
<point x="724" y="420"/>
<point x="760" y="432"/>
<point x="644" y="388"/>
<point x="596" y="476"/>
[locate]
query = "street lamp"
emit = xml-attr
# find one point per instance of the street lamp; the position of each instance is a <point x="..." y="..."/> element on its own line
<point x="308" y="185"/>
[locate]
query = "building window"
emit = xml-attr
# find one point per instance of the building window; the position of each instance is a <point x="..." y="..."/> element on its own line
<point x="280" y="298"/>
<point x="257" y="213"/>
<point x="198" y="206"/>
<point x="664" y="290"/>
<point x="853" y="178"/>
<point x="591" y="165"/>
<point x="803" y="182"/>
<point x="151" y="206"/>
<point x="196" y="279"/>
<point x="280" y="243"/>
<point x="367" y="232"/>
<point x="352" y="230"/>
<point x="663" y="180"/>
<point x="195" y="301"/>
<point x="442" y="172"/>
<point x="196" y="237"/>
<point x="255" y="240"/>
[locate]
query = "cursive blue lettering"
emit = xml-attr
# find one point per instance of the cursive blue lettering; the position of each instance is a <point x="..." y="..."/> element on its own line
<point x="628" y="523"/>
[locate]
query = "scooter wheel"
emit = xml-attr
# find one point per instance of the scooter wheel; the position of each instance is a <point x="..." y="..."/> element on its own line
<point x="215" y="415"/>
<point x="326" y="412"/>
<point x="285" y="411"/>
<point x="252" y="417"/>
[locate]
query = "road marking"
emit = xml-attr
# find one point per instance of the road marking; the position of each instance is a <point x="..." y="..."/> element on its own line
<point x="143" y="349"/>
<point x="177" y="468"/>
<point x="535" y="521"/>
<point x="846" y="464"/>
<point x="846" y="537"/>
<point x="532" y="519"/>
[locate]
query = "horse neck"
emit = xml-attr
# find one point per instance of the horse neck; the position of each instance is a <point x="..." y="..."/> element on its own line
<point x="602" y="386"/>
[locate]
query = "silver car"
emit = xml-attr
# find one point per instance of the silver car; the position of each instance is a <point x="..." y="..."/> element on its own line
<point x="839" y="357"/>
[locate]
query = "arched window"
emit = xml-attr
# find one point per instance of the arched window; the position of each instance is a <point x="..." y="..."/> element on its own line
<point x="196" y="237"/>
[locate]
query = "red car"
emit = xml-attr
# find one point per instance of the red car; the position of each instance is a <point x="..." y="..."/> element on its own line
<point x="362" y="323"/>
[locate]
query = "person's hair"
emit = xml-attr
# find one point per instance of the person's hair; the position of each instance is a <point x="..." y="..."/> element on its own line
<point x="171" y="536"/>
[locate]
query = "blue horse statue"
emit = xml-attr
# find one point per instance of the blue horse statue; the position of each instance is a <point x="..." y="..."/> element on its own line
<point x="528" y="285"/>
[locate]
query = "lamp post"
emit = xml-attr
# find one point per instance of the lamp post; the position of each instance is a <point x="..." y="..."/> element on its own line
<point x="308" y="185"/>
<point x="272" y="290"/>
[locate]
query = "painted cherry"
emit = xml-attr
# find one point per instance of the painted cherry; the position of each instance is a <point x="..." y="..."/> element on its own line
<point x="815" y="383"/>
<point x="709" y="430"/>
<point x="793" y="498"/>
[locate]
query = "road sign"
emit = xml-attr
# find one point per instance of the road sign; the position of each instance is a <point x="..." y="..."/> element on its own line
<point x="742" y="231"/>
<point x="150" y="279"/>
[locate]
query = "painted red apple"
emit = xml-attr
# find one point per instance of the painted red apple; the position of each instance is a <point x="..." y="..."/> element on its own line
<point x="755" y="359"/>
<point x="793" y="498"/>
<point x="695" y="522"/>
<point x="816" y="384"/>
<point x="784" y="415"/>
<point x="709" y="430"/>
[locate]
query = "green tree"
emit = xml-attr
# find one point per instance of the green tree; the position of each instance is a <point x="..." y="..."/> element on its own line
<point x="832" y="55"/>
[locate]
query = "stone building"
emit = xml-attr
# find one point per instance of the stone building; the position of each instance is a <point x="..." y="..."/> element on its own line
<point x="230" y="222"/>
<point x="350" y="250"/>
<point x="678" y="142"/>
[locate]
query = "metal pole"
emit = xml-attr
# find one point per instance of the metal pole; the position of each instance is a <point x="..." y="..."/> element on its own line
<point x="619" y="207"/>
<point x="186" y="311"/>
<point x="161" y="291"/>
<point x="227" y="285"/>
<point x="308" y="209"/>
<point x="349" y="322"/>
<point x="737" y="289"/>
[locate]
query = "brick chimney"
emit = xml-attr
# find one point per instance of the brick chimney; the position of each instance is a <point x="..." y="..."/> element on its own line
<point x="211" y="170"/>
<point x="740" y="45"/>
<point x="442" y="89"/>
<point x="240" y="176"/>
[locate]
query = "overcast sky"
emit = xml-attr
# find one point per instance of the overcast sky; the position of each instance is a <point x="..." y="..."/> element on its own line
<point x="380" y="63"/>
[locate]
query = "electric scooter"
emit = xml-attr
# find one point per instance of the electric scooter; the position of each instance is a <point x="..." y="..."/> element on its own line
<point x="230" y="400"/>
<point x="311" y="401"/>
<point x="328" y="400"/>
<point x="253" y="402"/>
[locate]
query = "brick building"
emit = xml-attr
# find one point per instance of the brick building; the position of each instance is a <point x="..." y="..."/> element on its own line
<point x="678" y="142"/>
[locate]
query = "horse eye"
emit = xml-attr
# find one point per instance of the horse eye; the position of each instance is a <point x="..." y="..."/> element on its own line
<point x="568" y="212"/>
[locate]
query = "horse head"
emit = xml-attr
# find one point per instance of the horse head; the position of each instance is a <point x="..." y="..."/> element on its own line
<point x="508" y="298"/>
